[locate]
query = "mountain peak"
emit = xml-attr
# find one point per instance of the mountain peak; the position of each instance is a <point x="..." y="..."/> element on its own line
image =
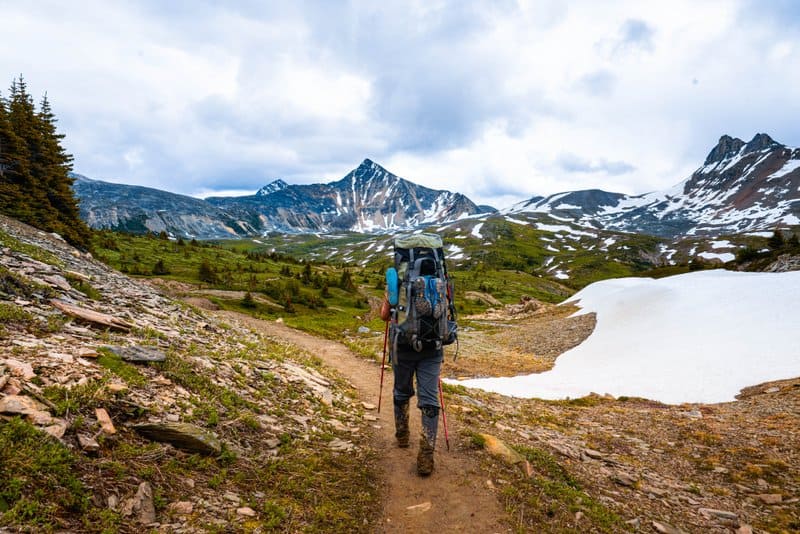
<point x="273" y="186"/>
<point x="759" y="142"/>
<point x="726" y="147"/>
<point x="369" y="166"/>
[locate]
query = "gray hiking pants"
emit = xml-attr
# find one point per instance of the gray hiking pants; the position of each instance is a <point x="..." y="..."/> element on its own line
<point x="426" y="365"/>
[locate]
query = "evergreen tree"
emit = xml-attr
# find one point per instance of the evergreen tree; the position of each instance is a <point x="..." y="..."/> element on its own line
<point x="11" y="163"/>
<point x="56" y="164"/>
<point x="793" y="241"/>
<point x="34" y="206"/>
<point x="35" y="186"/>
<point x="206" y="273"/>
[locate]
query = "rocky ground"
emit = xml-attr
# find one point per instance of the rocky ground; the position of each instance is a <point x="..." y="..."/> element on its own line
<point x="170" y="418"/>
<point x="731" y="467"/>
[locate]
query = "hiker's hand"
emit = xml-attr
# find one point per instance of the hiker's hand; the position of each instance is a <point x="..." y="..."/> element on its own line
<point x="386" y="310"/>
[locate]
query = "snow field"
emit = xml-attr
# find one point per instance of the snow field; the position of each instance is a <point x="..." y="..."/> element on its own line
<point x="696" y="337"/>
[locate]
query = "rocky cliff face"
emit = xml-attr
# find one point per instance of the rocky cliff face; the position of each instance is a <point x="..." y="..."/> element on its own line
<point x="741" y="187"/>
<point x="143" y="209"/>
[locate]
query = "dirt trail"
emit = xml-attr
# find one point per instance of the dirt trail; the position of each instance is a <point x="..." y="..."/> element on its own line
<point x="459" y="498"/>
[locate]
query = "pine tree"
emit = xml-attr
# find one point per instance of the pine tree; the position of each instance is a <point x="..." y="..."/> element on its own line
<point x="10" y="163"/>
<point x="34" y="207"/>
<point x="35" y="186"/>
<point x="56" y="165"/>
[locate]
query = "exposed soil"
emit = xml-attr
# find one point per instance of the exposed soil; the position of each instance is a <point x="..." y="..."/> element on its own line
<point x="455" y="498"/>
<point x="509" y="344"/>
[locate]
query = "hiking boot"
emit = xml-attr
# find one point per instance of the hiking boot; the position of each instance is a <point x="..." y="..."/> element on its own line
<point x="425" y="457"/>
<point x="427" y="440"/>
<point x="401" y="424"/>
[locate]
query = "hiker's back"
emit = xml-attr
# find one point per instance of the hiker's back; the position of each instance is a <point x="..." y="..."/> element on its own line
<point x="426" y="316"/>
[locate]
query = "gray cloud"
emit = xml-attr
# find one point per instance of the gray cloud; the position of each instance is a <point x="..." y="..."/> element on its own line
<point x="636" y="34"/>
<point x="598" y="83"/>
<point x="574" y="164"/>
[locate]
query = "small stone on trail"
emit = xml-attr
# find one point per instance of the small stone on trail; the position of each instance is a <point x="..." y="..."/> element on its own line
<point x="497" y="448"/>
<point x="105" y="421"/>
<point x="115" y="387"/>
<point x="137" y="353"/>
<point x="624" y="479"/>
<point x="272" y="443"/>
<point x="718" y="514"/>
<point x="340" y="445"/>
<point x="57" y="429"/>
<point x="86" y="352"/>
<point x="142" y="503"/>
<point x="591" y="453"/>
<point x="246" y="511"/>
<point x="183" y="436"/>
<point x="666" y="528"/>
<point x="773" y="389"/>
<point x="20" y="404"/>
<point x="368" y="405"/>
<point x="419" y="508"/>
<point x="88" y="443"/>
<point x="770" y="498"/>
<point x="20" y="369"/>
<point x="181" y="507"/>
<point x="744" y="529"/>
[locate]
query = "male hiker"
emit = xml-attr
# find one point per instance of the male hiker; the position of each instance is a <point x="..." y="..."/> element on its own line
<point x="426" y="365"/>
<point x="419" y="290"/>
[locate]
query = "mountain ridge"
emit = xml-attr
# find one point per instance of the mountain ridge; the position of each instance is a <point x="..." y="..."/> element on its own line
<point x="741" y="187"/>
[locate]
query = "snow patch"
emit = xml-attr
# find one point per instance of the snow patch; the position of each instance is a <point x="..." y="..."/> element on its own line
<point x="696" y="337"/>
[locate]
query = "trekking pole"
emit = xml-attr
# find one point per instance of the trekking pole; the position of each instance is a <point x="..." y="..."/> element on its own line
<point x="383" y="364"/>
<point x="444" y="416"/>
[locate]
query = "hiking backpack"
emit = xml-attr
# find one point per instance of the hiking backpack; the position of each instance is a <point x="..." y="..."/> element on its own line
<point x="420" y="293"/>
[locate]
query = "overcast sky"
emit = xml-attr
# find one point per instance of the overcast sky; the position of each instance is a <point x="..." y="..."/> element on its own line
<point x="499" y="100"/>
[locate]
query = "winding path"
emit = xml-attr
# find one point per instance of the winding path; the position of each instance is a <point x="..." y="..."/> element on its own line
<point x="459" y="498"/>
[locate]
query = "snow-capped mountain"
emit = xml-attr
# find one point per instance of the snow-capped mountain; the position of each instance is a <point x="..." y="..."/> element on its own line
<point x="741" y="187"/>
<point x="275" y="185"/>
<point x="369" y="198"/>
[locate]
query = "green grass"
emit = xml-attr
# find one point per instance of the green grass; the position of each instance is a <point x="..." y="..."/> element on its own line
<point x="37" y="253"/>
<point x="12" y="313"/>
<point x="126" y="371"/>
<point x="548" y="501"/>
<point x="38" y="482"/>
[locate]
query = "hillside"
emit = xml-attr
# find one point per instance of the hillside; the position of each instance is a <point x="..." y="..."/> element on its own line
<point x="264" y="425"/>
<point x="140" y="210"/>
